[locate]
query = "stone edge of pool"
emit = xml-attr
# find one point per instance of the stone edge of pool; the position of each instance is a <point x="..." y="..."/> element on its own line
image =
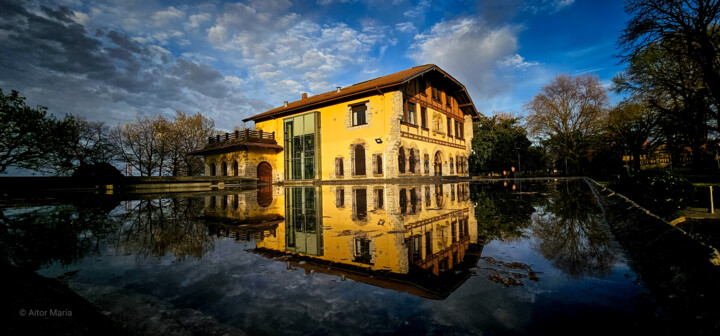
<point x="683" y="274"/>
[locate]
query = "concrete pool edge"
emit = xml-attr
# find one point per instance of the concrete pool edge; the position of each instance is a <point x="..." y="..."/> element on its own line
<point x="681" y="272"/>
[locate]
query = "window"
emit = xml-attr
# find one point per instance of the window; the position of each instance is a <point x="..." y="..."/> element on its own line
<point x="437" y="123"/>
<point x="428" y="201"/>
<point x="377" y="164"/>
<point x="223" y="171"/>
<point x="236" y="171"/>
<point x="358" y="114"/>
<point x="415" y="248"/>
<point x="402" y="201"/>
<point x="448" y="101"/>
<point x="461" y="131"/>
<point x="409" y="116"/>
<point x="459" y="165"/>
<point x="359" y="160"/>
<point x="452" y="166"/>
<point x="360" y="202"/>
<point x="379" y="200"/>
<point x="401" y="160"/>
<point x="414" y="200"/>
<point x="339" y="167"/>
<point x="435" y="94"/>
<point x="340" y="197"/>
<point x="457" y="129"/>
<point x="449" y="126"/>
<point x="427" y="163"/>
<point x="412" y="161"/>
<point x="362" y="251"/>
<point x="423" y="117"/>
<point x="428" y="244"/>
<point x="422" y="86"/>
<point x="212" y="169"/>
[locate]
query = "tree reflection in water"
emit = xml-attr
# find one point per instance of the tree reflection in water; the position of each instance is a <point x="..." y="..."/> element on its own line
<point x="160" y="226"/>
<point x="503" y="213"/>
<point x="33" y="237"/>
<point x="570" y="232"/>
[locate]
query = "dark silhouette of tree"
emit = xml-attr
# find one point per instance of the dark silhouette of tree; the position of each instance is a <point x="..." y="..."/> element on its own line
<point x="686" y="29"/>
<point x="636" y="127"/>
<point x="671" y="85"/>
<point x="26" y="133"/>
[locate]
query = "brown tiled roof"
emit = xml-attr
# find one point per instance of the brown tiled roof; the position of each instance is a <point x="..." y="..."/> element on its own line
<point x="376" y="84"/>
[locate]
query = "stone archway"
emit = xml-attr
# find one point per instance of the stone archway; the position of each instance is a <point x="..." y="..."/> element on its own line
<point x="264" y="172"/>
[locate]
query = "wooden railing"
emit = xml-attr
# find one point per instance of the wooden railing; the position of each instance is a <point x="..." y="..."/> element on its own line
<point x="246" y="135"/>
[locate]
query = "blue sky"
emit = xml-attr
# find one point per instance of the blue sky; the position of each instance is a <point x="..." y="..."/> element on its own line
<point x="111" y="60"/>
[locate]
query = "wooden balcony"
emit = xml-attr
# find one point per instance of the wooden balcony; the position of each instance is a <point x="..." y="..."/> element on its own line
<point x="239" y="140"/>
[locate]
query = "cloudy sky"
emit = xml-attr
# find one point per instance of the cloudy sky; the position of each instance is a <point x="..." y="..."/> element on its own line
<point x="111" y="60"/>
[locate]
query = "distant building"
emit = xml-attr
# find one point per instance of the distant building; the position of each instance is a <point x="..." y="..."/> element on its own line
<point x="413" y="123"/>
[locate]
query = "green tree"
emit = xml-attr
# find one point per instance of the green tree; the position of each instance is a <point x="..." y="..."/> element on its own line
<point x="636" y="127"/>
<point x="671" y="85"/>
<point x="499" y="142"/>
<point x="25" y="133"/>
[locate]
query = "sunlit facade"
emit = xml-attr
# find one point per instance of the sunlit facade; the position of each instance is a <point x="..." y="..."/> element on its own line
<point x="414" y="123"/>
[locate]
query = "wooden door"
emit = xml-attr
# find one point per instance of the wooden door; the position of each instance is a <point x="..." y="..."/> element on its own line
<point x="264" y="172"/>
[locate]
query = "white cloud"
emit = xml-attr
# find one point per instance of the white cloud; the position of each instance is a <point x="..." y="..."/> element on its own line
<point x="552" y="6"/>
<point x="420" y="9"/>
<point x="80" y="18"/>
<point x="517" y="61"/>
<point x="406" y="27"/>
<point x="164" y="16"/>
<point x="197" y="19"/>
<point x="289" y="53"/>
<point x="470" y="50"/>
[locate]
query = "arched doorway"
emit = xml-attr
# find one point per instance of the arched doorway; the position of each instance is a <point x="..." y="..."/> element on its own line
<point x="359" y="160"/>
<point x="264" y="172"/>
<point x="265" y="196"/>
<point x="212" y="169"/>
<point x="235" y="170"/>
<point x="438" y="164"/>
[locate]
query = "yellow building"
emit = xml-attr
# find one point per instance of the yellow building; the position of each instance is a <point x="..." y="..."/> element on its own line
<point x="417" y="238"/>
<point x="413" y="123"/>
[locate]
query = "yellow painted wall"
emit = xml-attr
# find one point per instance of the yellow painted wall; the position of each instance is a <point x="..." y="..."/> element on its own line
<point x="386" y="227"/>
<point x="337" y="138"/>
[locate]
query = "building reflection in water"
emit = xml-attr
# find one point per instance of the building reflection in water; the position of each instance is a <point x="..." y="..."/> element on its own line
<point x="420" y="239"/>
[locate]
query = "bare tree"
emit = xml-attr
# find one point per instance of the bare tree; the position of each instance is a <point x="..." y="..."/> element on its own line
<point x="138" y="145"/>
<point x="567" y="112"/>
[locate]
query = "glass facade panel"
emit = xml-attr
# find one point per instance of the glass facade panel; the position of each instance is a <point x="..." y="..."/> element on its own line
<point x="302" y="232"/>
<point x="301" y="147"/>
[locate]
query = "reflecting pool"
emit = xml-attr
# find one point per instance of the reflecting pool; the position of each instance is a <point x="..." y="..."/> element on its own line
<point x="453" y="258"/>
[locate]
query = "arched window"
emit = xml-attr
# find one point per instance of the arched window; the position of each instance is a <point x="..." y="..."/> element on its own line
<point x="224" y="169"/>
<point x="401" y="159"/>
<point x="359" y="160"/>
<point x="236" y="171"/>
<point x="212" y="169"/>
<point x="438" y="164"/>
<point x="452" y="166"/>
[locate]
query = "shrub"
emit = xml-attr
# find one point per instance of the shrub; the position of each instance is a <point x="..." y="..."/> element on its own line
<point x="662" y="192"/>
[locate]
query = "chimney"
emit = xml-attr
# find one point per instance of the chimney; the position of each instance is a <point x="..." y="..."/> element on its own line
<point x="285" y="104"/>
<point x="338" y="89"/>
<point x="304" y="95"/>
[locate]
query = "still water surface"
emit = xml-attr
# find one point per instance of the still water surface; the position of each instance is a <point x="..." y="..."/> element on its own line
<point x="453" y="258"/>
